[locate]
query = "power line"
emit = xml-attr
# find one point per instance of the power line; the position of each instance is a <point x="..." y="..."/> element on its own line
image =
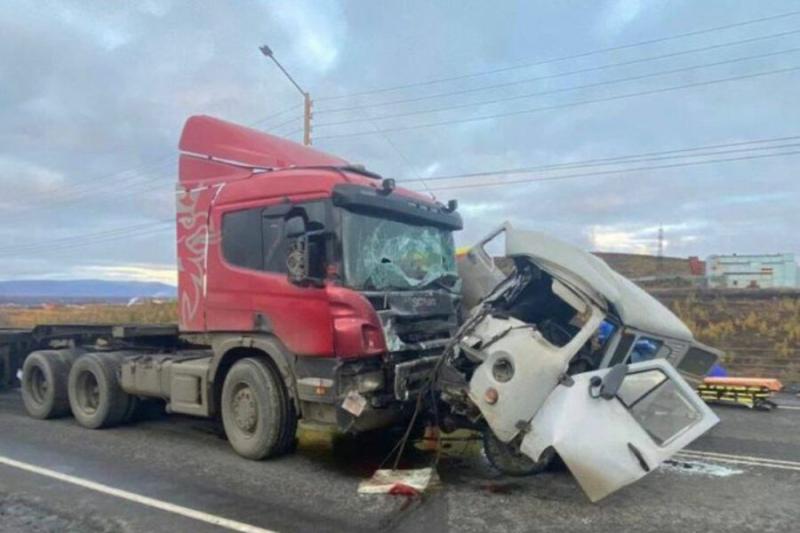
<point x="276" y="115"/>
<point x="607" y="172"/>
<point x="565" y="57"/>
<point x="624" y="159"/>
<point x="86" y="188"/>
<point x="401" y="154"/>
<point x="290" y="121"/>
<point x="88" y="182"/>
<point x="95" y="237"/>
<point x="556" y="75"/>
<point x="156" y="227"/>
<point x="565" y="105"/>
<point x="565" y="89"/>
<point x="89" y="242"/>
<point x="72" y="196"/>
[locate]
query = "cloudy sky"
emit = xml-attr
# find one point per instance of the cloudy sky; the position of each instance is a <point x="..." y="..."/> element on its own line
<point x="93" y="96"/>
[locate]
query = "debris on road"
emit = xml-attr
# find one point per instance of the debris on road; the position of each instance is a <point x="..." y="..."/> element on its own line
<point x="699" y="468"/>
<point x="399" y="482"/>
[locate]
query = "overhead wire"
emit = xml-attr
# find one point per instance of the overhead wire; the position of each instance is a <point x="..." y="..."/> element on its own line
<point x="537" y="179"/>
<point x="565" y="89"/>
<point x="565" y="105"/>
<point x="628" y="158"/>
<point x="70" y="239"/>
<point x="106" y="236"/>
<point x="134" y="178"/>
<point x="554" y="75"/>
<point x="567" y="57"/>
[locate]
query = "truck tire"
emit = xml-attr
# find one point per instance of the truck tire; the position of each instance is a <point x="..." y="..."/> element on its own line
<point x="257" y="413"/>
<point x="95" y="395"/>
<point x="508" y="460"/>
<point x="132" y="409"/>
<point x="44" y="384"/>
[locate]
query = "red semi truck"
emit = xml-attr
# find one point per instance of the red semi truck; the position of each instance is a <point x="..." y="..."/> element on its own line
<point x="307" y="288"/>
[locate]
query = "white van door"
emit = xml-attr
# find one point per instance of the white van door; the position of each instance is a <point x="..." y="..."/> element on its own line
<point x="614" y="426"/>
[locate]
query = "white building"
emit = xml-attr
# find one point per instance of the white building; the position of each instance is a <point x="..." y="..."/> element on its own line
<point x="752" y="271"/>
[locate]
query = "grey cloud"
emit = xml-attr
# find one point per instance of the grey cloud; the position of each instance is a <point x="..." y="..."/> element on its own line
<point x="91" y="90"/>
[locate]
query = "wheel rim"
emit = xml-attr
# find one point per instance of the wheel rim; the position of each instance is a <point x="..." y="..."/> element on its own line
<point x="88" y="393"/>
<point x="245" y="409"/>
<point x="39" y="385"/>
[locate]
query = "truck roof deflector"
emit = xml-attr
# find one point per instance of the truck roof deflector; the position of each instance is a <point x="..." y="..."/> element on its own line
<point x="208" y="136"/>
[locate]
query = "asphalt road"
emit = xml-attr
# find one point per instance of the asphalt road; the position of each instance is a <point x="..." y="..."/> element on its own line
<point x="181" y="465"/>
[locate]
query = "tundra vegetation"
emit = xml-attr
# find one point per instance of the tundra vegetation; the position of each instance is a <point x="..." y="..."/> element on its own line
<point x="142" y="313"/>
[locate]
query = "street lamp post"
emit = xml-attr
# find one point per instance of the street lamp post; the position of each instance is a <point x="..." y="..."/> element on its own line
<point x="267" y="51"/>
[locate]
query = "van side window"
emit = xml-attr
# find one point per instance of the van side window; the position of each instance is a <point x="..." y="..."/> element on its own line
<point x="242" y="243"/>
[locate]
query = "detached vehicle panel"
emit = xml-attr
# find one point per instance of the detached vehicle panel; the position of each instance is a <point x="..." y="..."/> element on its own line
<point x="550" y="353"/>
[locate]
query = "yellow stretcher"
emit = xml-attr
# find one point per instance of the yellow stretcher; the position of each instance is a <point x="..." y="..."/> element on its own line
<point x="754" y="393"/>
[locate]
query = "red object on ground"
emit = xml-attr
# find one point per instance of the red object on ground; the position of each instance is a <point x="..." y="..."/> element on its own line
<point x="401" y="489"/>
<point x="771" y="383"/>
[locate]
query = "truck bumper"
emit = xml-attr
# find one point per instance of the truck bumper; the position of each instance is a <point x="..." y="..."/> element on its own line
<point x="356" y="396"/>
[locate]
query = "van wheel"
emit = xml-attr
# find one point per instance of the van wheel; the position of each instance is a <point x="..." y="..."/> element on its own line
<point x="96" y="398"/>
<point x="257" y="413"/>
<point x="44" y="385"/>
<point x="507" y="458"/>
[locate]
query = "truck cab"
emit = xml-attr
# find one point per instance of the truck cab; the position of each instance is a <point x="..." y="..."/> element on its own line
<point x="347" y="282"/>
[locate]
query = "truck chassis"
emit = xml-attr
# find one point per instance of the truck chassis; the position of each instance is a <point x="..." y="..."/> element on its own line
<point x="99" y="374"/>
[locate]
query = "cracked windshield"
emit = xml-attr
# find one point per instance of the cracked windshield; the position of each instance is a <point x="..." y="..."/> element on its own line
<point x="381" y="254"/>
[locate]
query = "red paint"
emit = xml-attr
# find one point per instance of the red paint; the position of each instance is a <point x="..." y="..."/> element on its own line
<point x="216" y="296"/>
<point x="216" y="138"/>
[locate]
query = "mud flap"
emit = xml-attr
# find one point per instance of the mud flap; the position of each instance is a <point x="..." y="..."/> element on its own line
<point x="610" y="443"/>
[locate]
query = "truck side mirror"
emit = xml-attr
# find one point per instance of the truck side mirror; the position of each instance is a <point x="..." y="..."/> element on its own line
<point x="305" y="251"/>
<point x="297" y="257"/>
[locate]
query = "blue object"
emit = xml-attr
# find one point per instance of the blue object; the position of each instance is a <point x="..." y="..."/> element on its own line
<point x="717" y="371"/>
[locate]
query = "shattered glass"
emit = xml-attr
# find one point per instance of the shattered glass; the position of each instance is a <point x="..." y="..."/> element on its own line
<point x="382" y="254"/>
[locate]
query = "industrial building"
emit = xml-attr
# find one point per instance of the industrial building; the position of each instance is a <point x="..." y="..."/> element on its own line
<point x="765" y="271"/>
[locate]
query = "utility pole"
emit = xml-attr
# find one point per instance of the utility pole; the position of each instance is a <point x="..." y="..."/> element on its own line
<point x="307" y="102"/>
<point x="660" y="250"/>
<point x="306" y="119"/>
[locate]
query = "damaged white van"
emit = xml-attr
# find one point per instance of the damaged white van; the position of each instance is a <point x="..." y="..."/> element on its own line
<point x="565" y="356"/>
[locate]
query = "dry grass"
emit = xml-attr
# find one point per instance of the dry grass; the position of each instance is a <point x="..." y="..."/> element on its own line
<point x="759" y="335"/>
<point x="145" y="313"/>
<point x="728" y="321"/>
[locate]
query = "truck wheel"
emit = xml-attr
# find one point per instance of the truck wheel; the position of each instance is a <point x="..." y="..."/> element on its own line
<point x="132" y="409"/>
<point x="44" y="385"/>
<point x="507" y="458"/>
<point x="257" y="413"/>
<point x="96" y="398"/>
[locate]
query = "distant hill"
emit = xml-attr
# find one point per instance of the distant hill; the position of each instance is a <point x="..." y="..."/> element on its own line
<point x="638" y="265"/>
<point x="28" y="291"/>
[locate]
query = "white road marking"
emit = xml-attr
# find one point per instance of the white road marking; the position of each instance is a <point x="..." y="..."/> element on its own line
<point x="741" y="460"/>
<point x="745" y="457"/>
<point x="137" y="498"/>
<point x="791" y="407"/>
